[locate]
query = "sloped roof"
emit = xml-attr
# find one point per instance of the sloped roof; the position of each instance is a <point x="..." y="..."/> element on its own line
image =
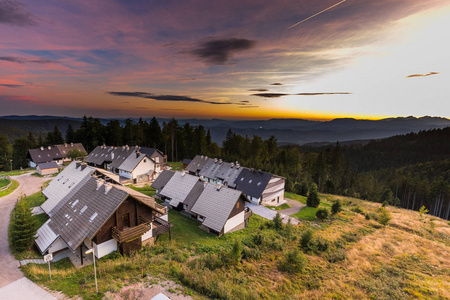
<point x="85" y="212"/>
<point x="162" y="179"/>
<point x="46" y="237"/>
<point x="193" y="195"/>
<point x="252" y="182"/>
<point x="130" y="163"/>
<point x="65" y="148"/>
<point x="178" y="187"/>
<point x="197" y="163"/>
<point x="215" y="205"/>
<point x="210" y="168"/>
<point x="68" y="180"/>
<point x="46" y="154"/>
<point x="228" y="173"/>
<point x="186" y="161"/>
<point x="48" y="165"/>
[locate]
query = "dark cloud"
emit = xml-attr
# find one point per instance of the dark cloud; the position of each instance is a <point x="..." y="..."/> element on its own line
<point x="248" y="106"/>
<point x="270" y="95"/>
<point x="218" y="52"/>
<point x="176" y="98"/>
<point x="278" y="95"/>
<point x="276" y="83"/>
<point x="172" y="109"/>
<point x="244" y="101"/>
<point x="14" y="13"/>
<point x="11" y="85"/>
<point x="422" y="75"/>
<point x="23" y="60"/>
<point x="258" y="90"/>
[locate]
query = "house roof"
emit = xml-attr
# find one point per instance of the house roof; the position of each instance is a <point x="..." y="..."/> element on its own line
<point x="193" y="195"/>
<point x="48" y="165"/>
<point x="197" y="163"/>
<point x="65" y="148"/>
<point x="85" y="212"/>
<point x="150" y="151"/>
<point x="186" y="161"/>
<point x="68" y="180"/>
<point x="228" y="173"/>
<point x="42" y="154"/>
<point x="178" y="187"/>
<point x="130" y="163"/>
<point x="216" y="205"/>
<point x="210" y="168"/>
<point x="252" y="182"/>
<point x="45" y="237"/>
<point x="162" y="179"/>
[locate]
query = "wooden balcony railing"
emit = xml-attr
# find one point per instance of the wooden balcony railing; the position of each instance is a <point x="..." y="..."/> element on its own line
<point x="131" y="233"/>
<point x="248" y="214"/>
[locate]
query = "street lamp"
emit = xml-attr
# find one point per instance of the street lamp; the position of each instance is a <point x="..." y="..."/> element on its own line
<point x="95" y="270"/>
<point x="11" y="165"/>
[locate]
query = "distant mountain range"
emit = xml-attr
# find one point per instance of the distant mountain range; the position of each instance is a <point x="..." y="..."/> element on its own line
<point x="287" y="131"/>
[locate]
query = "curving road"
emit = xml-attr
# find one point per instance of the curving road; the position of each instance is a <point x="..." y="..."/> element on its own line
<point x="9" y="271"/>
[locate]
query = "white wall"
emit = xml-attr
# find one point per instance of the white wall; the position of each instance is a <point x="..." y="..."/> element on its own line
<point x="165" y="217"/>
<point x="146" y="167"/>
<point x="148" y="234"/>
<point x="105" y="248"/>
<point x="234" y="221"/>
<point x="125" y="174"/>
<point x="58" y="245"/>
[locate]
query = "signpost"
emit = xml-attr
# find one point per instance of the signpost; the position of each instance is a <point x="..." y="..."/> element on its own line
<point x="48" y="258"/>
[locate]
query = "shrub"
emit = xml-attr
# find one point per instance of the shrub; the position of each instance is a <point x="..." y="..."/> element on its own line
<point x="301" y="188"/>
<point x="322" y="214"/>
<point x="357" y="209"/>
<point x="385" y="203"/>
<point x="293" y="262"/>
<point x="367" y="217"/>
<point x="278" y="221"/>
<point x="236" y="252"/>
<point x="396" y="202"/>
<point x="422" y="211"/>
<point x="249" y="253"/>
<point x="313" y="197"/>
<point x="23" y="227"/>
<point x="307" y="237"/>
<point x="335" y="255"/>
<point x="336" y="207"/>
<point x="384" y="216"/>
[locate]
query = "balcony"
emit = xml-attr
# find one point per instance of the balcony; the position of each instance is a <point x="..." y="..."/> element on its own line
<point x="248" y="213"/>
<point x="131" y="233"/>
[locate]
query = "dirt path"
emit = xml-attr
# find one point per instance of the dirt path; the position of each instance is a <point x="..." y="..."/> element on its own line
<point x="295" y="207"/>
<point x="9" y="271"/>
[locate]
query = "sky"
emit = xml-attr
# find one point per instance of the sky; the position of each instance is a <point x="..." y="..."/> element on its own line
<point x="365" y="59"/>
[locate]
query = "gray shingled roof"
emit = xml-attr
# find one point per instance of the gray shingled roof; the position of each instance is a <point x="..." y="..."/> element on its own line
<point x="210" y="168"/>
<point x="178" y="187"/>
<point x="193" y="195"/>
<point x="41" y="155"/>
<point x="46" y="237"/>
<point x="197" y="163"/>
<point x="162" y="179"/>
<point x="216" y="205"/>
<point x="65" y="148"/>
<point x="252" y="183"/>
<point x="86" y="211"/>
<point x="228" y="173"/>
<point x="130" y="163"/>
<point x="48" y="165"/>
<point x="68" y="180"/>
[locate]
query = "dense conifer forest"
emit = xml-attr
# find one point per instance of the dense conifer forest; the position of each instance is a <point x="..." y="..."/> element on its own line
<point x="411" y="170"/>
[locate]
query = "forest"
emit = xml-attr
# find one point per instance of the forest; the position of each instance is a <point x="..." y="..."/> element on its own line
<point x="411" y="170"/>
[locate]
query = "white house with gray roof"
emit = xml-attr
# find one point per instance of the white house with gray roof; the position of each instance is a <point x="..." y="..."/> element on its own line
<point x="177" y="189"/>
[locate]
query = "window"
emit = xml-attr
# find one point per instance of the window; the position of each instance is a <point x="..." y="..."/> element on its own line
<point x="250" y="181"/>
<point x="126" y="220"/>
<point x="237" y="204"/>
<point x="145" y="160"/>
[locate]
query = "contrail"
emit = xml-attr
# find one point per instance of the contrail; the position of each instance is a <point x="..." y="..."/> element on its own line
<point x="317" y="14"/>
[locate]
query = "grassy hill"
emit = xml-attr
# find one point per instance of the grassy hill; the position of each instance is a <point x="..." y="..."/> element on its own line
<point x="349" y="256"/>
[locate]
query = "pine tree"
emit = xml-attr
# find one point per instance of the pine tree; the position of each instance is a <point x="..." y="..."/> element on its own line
<point x="70" y="134"/>
<point x="24" y="227"/>
<point x="57" y="136"/>
<point x="313" y="197"/>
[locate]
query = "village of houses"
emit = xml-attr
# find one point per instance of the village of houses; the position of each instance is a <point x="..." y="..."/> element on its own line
<point x="91" y="206"/>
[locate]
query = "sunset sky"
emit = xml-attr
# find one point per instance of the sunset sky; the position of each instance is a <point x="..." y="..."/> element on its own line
<point x="225" y="59"/>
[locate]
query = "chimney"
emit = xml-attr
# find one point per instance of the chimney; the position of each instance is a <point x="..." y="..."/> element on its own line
<point x="100" y="182"/>
<point x="220" y="161"/>
<point x="49" y="147"/>
<point x="238" y="165"/>
<point x="83" y="166"/>
<point x="112" y="155"/>
<point x="182" y="174"/>
<point x="215" y="160"/>
<point x="219" y="186"/>
<point x="77" y="164"/>
<point x="108" y="187"/>
<point x="137" y="154"/>
<point x="232" y="164"/>
<point x="71" y="144"/>
<point x="65" y="145"/>
<point x="42" y="148"/>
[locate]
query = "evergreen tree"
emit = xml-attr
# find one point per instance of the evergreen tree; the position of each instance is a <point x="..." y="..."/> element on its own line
<point x="384" y="216"/>
<point x="336" y="207"/>
<point x="5" y="153"/>
<point x="70" y="134"/>
<point x="313" y="197"/>
<point x="32" y="140"/>
<point x="24" y="227"/>
<point x="20" y="151"/>
<point x="57" y="137"/>
<point x="154" y="134"/>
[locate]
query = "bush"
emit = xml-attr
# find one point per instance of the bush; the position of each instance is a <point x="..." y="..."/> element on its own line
<point x="23" y="227"/>
<point x="384" y="216"/>
<point x="336" y="207"/>
<point x="357" y="209"/>
<point x="249" y="253"/>
<point x="335" y="255"/>
<point x="306" y="238"/>
<point x="367" y="217"/>
<point x="322" y="214"/>
<point x="293" y="262"/>
<point x="301" y="188"/>
<point x="385" y="203"/>
<point x="278" y="222"/>
<point x="313" y="197"/>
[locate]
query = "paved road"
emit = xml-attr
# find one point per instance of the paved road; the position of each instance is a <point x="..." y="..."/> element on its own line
<point x="9" y="271"/>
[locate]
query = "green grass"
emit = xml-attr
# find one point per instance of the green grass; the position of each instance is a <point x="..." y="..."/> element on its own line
<point x="293" y="196"/>
<point x="146" y="190"/>
<point x="41" y="219"/>
<point x="282" y="206"/>
<point x="176" y="165"/>
<point x="35" y="200"/>
<point x="11" y="189"/>
<point x="4" y="182"/>
<point x="16" y="172"/>
<point x="308" y="213"/>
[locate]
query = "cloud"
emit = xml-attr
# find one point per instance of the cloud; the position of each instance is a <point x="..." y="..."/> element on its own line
<point x="248" y="106"/>
<point x="176" y="98"/>
<point x="244" y="101"/>
<point x="270" y="95"/>
<point x="276" y="83"/>
<point x="258" y="90"/>
<point x="278" y="95"/>
<point x="11" y="85"/>
<point x="422" y="75"/>
<point x="14" y="13"/>
<point x="23" y="60"/>
<point x="218" y="52"/>
<point x="172" y="109"/>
